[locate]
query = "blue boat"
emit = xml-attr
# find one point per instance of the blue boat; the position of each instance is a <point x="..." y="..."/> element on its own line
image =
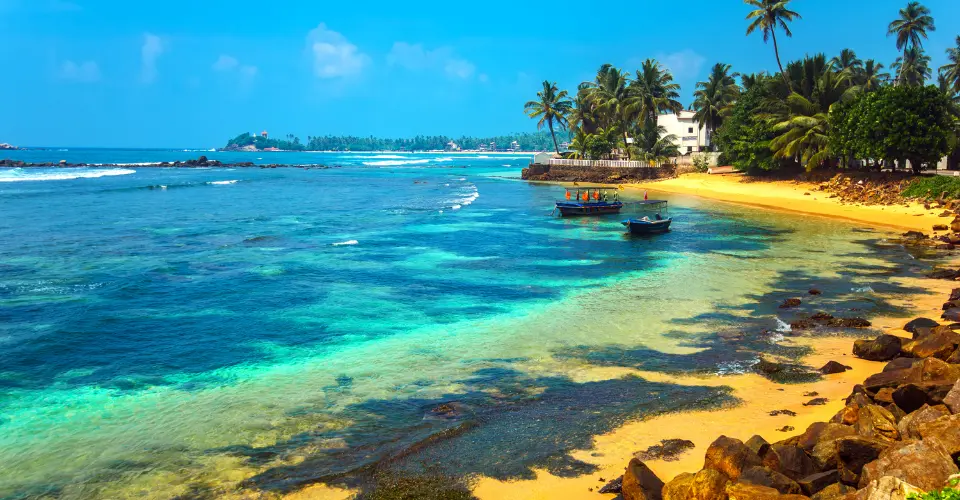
<point x="590" y="201"/>
<point x="658" y="224"/>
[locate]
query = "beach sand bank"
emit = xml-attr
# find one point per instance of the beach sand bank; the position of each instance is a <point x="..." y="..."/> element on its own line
<point x="793" y="196"/>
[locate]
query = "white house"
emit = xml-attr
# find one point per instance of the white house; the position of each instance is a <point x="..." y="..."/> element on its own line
<point x="691" y="138"/>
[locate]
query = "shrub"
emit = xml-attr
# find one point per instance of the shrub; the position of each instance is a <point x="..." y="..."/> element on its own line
<point x="933" y="187"/>
<point x="949" y="493"/>
<point x="701" y="163"/>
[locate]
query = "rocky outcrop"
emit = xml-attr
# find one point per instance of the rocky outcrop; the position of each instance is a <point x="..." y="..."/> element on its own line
<point x="640" y="483"/>
<point x="882" y="348"/>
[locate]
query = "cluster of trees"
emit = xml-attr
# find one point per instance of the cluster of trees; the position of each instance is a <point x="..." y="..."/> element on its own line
<point x="539" y="141"/>
<point x="839" y="112"/>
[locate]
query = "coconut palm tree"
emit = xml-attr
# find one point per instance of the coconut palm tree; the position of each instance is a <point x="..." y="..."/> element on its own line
<point x="768" y="16"/>
<point x="656" y="91"/>
<point x="802" y="123"/>
<point x="552" y="107"/>
<point x="951" y="70"/>
<point x="653" y="143"/>
<point x="613" y="99"/>
<point x="714" y="98"/>
<point x="847" y="61"/>
<point x="751" y="80"/>
<point x="871" y="76"/>
<point x="912" y="25"/>
<point x="913" y="68"/>
<point x="583" y="115"/>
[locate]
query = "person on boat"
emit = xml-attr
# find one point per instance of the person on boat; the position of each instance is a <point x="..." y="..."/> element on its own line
<point x="659" y="217"/>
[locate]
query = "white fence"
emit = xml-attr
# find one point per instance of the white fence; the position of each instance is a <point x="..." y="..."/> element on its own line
<point x="598" y="163"/>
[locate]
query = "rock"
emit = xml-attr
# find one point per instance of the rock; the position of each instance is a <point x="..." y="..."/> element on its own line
<point x="750" y="491"/>
<point x="943" y="274"/>
<point x="640" y="483"/>
<point x="824" y="453"/>
<point x="876" y="422"/>
<point x="679" y="487"/>
<point x="758" y="445"/>
<point x="729" y="456"/>
<point x="914" y="235"/>
<point x="819" y="431"/>
<point x="951" y="314"/>
<point x="790" y="303"/>
<point x="945" y="429"/>
<point x="767" y="367"/>
<point x="790" y="460"/>
<point x="884" y="396"/>
<point x="811" y="394"/>
<point x="708" y="484"/>
<point x="899" y="364"/>
<point x="913" y="324"/>
<point x="814" y="483"/>
<point x="940" y="227"/>
<point x="814" y="291"/>
<point x="925" y="370"/>
<point x="833" y="492"/>
<point x="950" y="304"/>
<point x="954" y="358"/>
<point x="910" y="398"/>
<point x="952" y="400"/>
<point x="849" y="323"/>
<point x="886" y="488"/>
<point x="833" y="367"/>
<point x="938" y="344"/>
<point x="925" y="464"/>
<point x="882" y="348"/>
<point x="614" y="486"/>
<point x="955" y="294"/>
<point x="765" y="476"/>
<point x="669" y="450"/>
<point x="774" y="413"/>
<point x="786" y="428"/>
<point x="803" y="324"/>
<point x="855" y="452"/>
<point x="817" y="402"/>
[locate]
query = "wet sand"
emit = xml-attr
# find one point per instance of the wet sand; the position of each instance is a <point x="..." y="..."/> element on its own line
<point x="791" y="196"/>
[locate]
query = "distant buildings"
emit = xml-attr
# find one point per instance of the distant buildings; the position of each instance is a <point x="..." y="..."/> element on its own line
<point x="263" y="134"/>
<point x="690" y="138"/>
<point x="452" y="146"/>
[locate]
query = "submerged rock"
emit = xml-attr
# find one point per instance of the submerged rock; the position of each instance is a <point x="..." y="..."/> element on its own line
<point x="790" y="303"/>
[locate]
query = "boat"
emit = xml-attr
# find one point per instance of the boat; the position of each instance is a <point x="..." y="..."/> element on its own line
<point x="590" y="201"/>
<point x="658" y="224"/>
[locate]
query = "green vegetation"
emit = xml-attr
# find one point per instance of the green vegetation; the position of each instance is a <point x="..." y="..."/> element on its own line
<point x="552" y="107"/>
<point x="541" y="141"/>
<point x="949" y="493"/>
<point x="931" y="188"/>
<point x="766" y="18"/>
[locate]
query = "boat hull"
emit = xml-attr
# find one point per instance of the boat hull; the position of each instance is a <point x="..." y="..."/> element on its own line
<point x="647" y="227"/>
<point x="579" y="209"/>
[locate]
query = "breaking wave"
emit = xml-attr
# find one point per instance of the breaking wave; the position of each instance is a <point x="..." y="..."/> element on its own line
<point x="25" y="175"/>
<point x="220" y="183"/>
<point x="344" y="243"/>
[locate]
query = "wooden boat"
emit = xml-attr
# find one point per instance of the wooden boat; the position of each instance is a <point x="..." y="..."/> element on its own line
<point x="590" y="201"/>
<point x="658" y="224"/>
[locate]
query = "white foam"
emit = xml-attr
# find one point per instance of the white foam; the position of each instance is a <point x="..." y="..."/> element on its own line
<point x="863" y="289"/>
<point x="783" y="326"/>
<point x="456" y="207"/>
<point x="219" y="183"/>
<point x="23" y="175"/>
<point x="373" y="157"/>
<point x="394" y="163"/>
<point x="342" y="243"/>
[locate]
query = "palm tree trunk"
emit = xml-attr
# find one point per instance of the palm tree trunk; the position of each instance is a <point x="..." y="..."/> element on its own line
<point x="555" y="145"/>
<point x="776" y="52"/>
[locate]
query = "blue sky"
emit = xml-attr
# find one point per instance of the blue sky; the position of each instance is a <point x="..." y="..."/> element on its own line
<point x="192" y="73"/>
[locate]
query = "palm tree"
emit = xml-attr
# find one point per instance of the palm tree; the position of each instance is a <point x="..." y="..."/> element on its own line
<point x="951" y="70"/>
<point x="847" y="61"/>
<point x="914" y="23"/>
<point x="583" y="116"/>
<point x="656" y="90"/>
<point x="654" y="144"/>
<point x="802" y="123"/>
<point x="768" y="16"/>
<point x="714" y="98"/>
<point x="613" y="98"/>
<point x="913" y="68"/>
<point x="871" y="76"/>
<point x="751" y="80"/>
<point x="552" y="107"/>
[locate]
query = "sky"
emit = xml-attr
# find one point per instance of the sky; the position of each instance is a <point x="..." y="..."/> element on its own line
<point x="193" y="73"/>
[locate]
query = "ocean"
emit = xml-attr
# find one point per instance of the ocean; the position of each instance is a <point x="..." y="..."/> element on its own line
<point x="189" y="332"/>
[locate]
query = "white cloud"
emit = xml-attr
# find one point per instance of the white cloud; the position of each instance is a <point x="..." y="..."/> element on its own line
<point x="85" y="72"/>
<point x="225" y="63"/>
<point x="683" y="64"/>
<point x="248" y="71"/>
<point x="333" y="55"/>
<point x="415" y="57"/>
<point x="149" y="52"/>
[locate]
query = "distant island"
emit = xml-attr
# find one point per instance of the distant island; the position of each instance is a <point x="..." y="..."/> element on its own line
<point x="539" y="141"/>
<point x="4" y="145"/>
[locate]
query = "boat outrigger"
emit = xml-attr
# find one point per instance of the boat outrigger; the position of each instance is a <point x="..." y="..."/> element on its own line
<point x="590" y="201"/>
<point x="646" y="225"/>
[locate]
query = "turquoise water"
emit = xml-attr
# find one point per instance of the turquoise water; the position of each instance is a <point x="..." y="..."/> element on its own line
<point x="196" y="332"/>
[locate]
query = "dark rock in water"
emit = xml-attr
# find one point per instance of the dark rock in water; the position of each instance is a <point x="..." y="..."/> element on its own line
<point x="767" y="367"/>
<point x="730" y="457"/>
<point x="814" y="291"/>
<point x="613" y="486"/>
<point x="833" y="367"/>
<point x="640" y="483"/>
<point x="803" y="324"/>
<point x="925" y="464"/>
<point x="817" y="402"/>
<point x="943" y="274"/>
<point x="913" y="324"/>
<point x="446" y="411"/>
<point x="786" y="428"/>
<point x="849" y="323"/>
<point x="789" y="413"/>
<point x="914" y="235"/>
<point x="790" y="303"/>
<point x="669" y="450"/>
<point x="730" y="336"/>
<point x="882" y="348"/>
<point x="765" y="476"/>
<point x="821" y="317"/>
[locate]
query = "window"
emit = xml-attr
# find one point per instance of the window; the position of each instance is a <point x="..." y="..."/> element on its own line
<point x="690" y="130"/>
<point x="689" y="149"/>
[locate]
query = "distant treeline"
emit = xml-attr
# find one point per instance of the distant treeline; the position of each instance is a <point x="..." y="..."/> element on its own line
<point x="539" y="141"/>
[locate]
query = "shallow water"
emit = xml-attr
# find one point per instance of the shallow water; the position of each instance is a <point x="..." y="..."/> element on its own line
<point x="175" y="332"/>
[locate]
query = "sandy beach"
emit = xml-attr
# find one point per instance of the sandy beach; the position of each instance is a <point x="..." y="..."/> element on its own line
<point x="792" y="196"/>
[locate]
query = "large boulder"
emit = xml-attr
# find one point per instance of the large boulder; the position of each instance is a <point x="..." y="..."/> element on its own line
<point x="678" y="488"/>
<point x="790" y="460"/>
<point x="925" y="370"/>
<point x="925" y="464"/>
<point x="913" y="324"/>
<point x="750" y="491"/>
<point x="939" y="344"/>
<point x="882" y="348"/>
<point x="729" y="456"/>
<point x="855" y="452"/>
<point x="899" y="364"/>
<point x="708" y="484"/>
<point x="758" y="445"/>
<point x="944" y="429"/>
<point x="909" y="425"/>
<point x="953" y="398"/>
<point x="814" y="483"/>
<point x="640" y="483"/>
<point x="833" y="367"/>
<point x="837" y="491"/>
<point x="910" y="397"/>
<point x="765" y="476"/>
<point x="824" y="454"/>
<point x="886" y="488"/>
<point x="877" y="422"/>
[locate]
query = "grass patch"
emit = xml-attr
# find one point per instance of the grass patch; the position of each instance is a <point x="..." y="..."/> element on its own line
<point x="393" y="486"/>
<point x="934" y="187"/>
